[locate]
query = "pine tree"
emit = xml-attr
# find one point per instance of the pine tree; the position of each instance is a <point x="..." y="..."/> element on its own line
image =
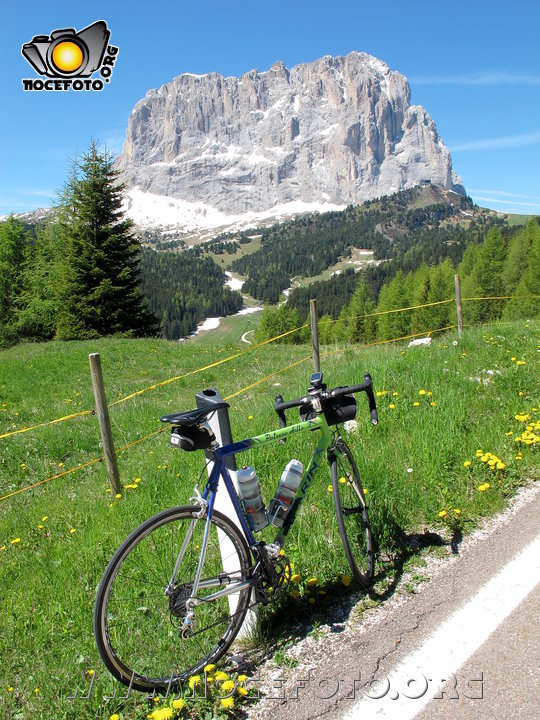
<point x="101" y="294"/>
<point x="393" y="325"/>
<point x="526" y="301"/>
<point x="362" y="328"/>
<point x="42" y="283"/>
<point x="13" y="248"/>
<point x="488" y="278"/>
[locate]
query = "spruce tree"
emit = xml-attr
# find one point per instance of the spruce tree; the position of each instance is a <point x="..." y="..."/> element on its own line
<point x="13" y="248"/>
<point x="101" y="292"/>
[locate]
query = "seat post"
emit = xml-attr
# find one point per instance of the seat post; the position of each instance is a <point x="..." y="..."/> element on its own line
<point x="219" y="422"/>
<point x="221" y="427"/>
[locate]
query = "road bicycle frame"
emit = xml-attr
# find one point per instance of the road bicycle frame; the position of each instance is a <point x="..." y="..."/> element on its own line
<point x="219" y="470"/>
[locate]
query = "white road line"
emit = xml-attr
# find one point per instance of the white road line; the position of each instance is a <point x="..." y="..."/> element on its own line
<point x="448" y="648"/>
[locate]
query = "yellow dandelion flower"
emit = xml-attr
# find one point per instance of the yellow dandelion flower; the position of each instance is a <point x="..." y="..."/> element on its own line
<point x="242" y="691"/>
<point x="45" y="517"/>
<point x="329" y="488"/>
<point x="3" y="548"/>
<point x="73" y="530"/>
<point x="40" y="527"/>
<point x="433" y="403"/>
<point x="208" y="668"/>
<point x="392" y="406"/>
<point x="510" y="432"/>
<point x="220" y="675"/>
<point x="416" y="404"/>
<point x="421" y="392"/>
<point x="227" y="702"/>
<point x="442" y="513"/>
<point x="242" y="678"/>
<point x="457" y="511"/>
<point x="296" y="577"/>
<point x="228" y="685"/>
<point x="118" y="496"/>
<point x="429" y="393"/>
<point x="193" y="681"/>
<point x="346" y="580"/>
<point x="394" y="394"/>
<point x="484" y="458"/>
<point x="15" y="541"/>
<point x="178" y="704"/>
<point x="115" y="716"/>
<point x="250" y="417"/>
<point x="467" y="463"/>
<point x="312" y="581"/>
<point x="342" y="480"/>
<point x="500" y="466"/>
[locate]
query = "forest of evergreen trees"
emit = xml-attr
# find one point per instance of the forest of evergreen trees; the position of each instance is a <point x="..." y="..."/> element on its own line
<point x="311" y="244"/>
<point x="183" y="289"/>
<point x="503" y="264"/>
<point x="83" y="274"/>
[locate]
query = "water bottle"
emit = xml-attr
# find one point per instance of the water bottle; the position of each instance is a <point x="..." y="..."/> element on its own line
<point x="286" y="492"/>
<point x="250" y="492"/>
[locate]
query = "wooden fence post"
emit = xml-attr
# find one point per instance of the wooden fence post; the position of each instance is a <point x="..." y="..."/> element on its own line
<point x="102" y="412"/>
<point x="458" y="304"/>
<point x="314" y="335"/>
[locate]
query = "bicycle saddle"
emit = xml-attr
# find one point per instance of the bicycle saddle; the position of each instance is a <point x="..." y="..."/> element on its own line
<point x="193" y="417"/>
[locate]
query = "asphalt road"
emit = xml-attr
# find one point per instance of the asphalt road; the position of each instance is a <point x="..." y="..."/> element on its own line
<point x="360" y="667"/>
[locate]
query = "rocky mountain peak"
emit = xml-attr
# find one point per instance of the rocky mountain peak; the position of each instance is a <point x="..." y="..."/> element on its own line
<point x="323" y="134"/>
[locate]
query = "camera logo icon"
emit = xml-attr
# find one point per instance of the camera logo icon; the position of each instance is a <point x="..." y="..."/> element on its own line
<point x="68" y="56"/>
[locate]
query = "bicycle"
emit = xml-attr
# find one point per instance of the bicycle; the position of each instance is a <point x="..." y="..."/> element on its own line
<point x="176" y="592"/>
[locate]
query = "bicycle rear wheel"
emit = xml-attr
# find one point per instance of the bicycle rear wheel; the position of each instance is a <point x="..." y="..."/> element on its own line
<point x="352" y="513"/>
<point x="136" y="625"/>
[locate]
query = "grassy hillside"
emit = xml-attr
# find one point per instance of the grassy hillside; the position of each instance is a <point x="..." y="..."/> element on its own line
<point x="438" y="408"/>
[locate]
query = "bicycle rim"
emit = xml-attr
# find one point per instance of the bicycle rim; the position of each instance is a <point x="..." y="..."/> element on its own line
<point x="136" y="633"/>
<point x="352" y="513"/>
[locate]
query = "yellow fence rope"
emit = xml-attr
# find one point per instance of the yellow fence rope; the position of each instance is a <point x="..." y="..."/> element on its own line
<point x="389" y="312"/>
<point x="228" y="397"/>
<point x="82" y="466"/>
<point x="255" y="347"/>
<point x="49" y="422"/>
<point x="206" y="367"/>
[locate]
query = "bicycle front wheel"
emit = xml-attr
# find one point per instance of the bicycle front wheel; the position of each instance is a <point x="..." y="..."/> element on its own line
<point x="352" y="513"/>
<point x="136" y="624"/>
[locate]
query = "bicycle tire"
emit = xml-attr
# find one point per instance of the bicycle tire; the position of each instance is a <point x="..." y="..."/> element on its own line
<point x="136" y="633"/>
<point x="352" y="513"/>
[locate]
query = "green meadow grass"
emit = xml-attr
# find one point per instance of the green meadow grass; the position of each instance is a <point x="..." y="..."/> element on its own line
<point x="437" y="407"/>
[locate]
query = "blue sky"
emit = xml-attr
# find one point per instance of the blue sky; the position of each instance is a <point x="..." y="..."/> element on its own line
<point x="474" y="66"/>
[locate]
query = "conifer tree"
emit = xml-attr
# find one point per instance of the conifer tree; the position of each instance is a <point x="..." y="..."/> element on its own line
<point x="13" y="247"/>
<point x="487" y="275"/>
<point x="41" y="284"/>
<point x="101" y="293"/>
<point x="526" y="301"/>
<point x="392" y="325"/>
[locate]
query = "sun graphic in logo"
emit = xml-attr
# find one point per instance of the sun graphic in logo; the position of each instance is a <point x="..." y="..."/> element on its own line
<point x="67" y="56"/>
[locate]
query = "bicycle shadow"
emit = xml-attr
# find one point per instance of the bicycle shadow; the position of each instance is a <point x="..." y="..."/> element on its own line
<point x="290" y="620"/>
